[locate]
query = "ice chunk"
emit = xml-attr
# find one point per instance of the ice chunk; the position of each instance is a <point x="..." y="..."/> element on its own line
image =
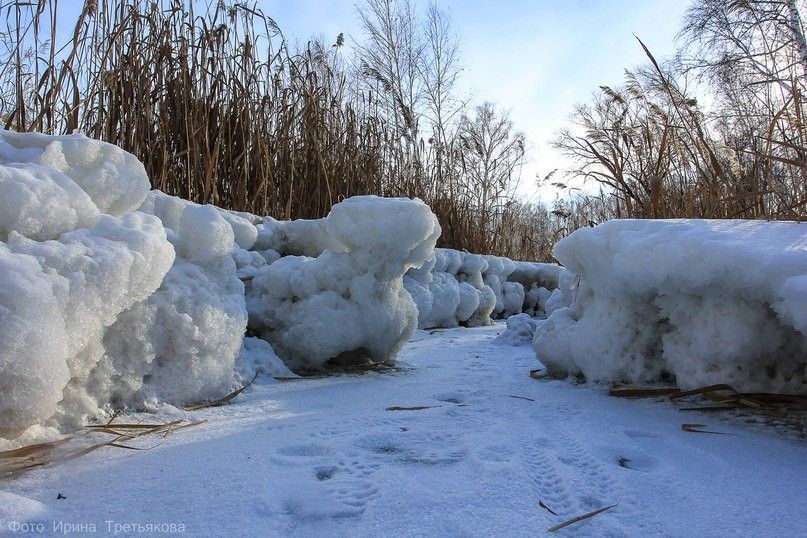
<point x="258" y="357"/>
<point x="520" y="330"/>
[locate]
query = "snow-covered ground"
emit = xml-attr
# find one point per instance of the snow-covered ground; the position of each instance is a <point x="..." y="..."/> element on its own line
<point x="325" y="457"/>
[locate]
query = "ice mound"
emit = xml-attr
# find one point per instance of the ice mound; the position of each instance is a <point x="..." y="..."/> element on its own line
<point x="114" y="179"/>
<point x="520" y="330"/>
<point x="702" y="301"/>
<point x="459" y="288"/>
<point x="258" y="358"/>
<point x="70" y="263"/>
<point x="348" y="303"/>
<point x="449" y="290"/>
<point x="181" y="343"/>
<point x="110" y="295"/>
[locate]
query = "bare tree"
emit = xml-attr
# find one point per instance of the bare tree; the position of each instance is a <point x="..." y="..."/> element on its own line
<point x="492" y="153"/>
<point x="754" y="54"/>
<point x="390" y="58"/>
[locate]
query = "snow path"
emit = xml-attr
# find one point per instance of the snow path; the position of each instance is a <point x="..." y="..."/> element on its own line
<point x="323" y="457"/>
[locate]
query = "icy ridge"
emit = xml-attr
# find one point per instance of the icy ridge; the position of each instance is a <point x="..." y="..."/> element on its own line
<point x="698" y="301"/>
<point x="455" y="288"/>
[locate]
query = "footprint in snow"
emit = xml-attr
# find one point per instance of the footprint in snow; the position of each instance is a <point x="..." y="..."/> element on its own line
<point x="339" y="487"/>
<point x="641" y="434"/>
<point x="495" y="453"/>
<point x="299" y="454"/>
<point x="411" y="447"/>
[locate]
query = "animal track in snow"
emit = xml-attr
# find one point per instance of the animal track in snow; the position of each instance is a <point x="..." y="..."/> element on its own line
<point x="412" y="447"/>
<point x="495" y="453"/>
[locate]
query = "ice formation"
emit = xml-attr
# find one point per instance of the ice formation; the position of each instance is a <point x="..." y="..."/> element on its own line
<point x="180" y="344"/>
<point x="115" y="296"/>
<point x="111" y="295"/>
<point x="70" y="263"/>
<point x="459" y="288"/>
<point x="342" y="299"/>
<point x="520" y="329"/>
<point x="700" y="301"/>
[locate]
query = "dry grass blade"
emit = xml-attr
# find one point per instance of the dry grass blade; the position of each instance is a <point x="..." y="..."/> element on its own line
<point x="796" y="401"/>
<point x="637" y="392"/>
<point x="127" y="447"/>
<point x="521" y="397"/>
<point x="545" y="507"/>
<point x="698" y="428"/>
<point x="221" y="401"/>
<point x="414" y="408"/>
<point x="132" y="426"/>
<point x="703" y="390"/>
<point x="42" y="454"/>
<point x="580" y="518"/>
<point x="29" y="457"/>
<point x="32" y="450"/>
<point x="708" y="408"/>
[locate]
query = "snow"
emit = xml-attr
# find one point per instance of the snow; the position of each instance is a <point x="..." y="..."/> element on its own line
<point x="116" y="297"/>
<point x="258" y="357"/>
<point x="114" y="179"/>
<point x="56" y="299"/>
<point x="348" y="304"/>
<point x="520" y="329"/>
<point x="702" y="301"/>
<point x="103" y="306"/>
<point x="180" y="345"/>
<point x="323" y="457"/>
<point x="460" y="288"/>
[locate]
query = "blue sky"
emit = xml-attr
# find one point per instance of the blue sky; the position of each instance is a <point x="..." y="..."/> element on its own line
<point x="536" y="58"/>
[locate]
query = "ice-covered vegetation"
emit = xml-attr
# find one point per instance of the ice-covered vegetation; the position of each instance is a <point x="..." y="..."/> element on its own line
<point x="116" y="296"/>
<point x="347" y="302"/>
<point x="698" y="301"/>
<point x="73" y="258"/>
<point x="459" y="288"/>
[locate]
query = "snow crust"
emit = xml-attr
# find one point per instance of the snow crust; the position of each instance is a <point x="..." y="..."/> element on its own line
<point x="700" y="301"/>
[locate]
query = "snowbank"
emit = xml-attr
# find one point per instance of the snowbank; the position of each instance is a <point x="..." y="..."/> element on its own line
<point x="344" y="301"/>
<point x="701" y="301"/>
<point x="459" y="288"/>
<point x="112" y="296"/>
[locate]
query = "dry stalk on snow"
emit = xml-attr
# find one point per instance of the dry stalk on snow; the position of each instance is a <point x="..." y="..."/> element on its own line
<point x="92" y="438"/>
